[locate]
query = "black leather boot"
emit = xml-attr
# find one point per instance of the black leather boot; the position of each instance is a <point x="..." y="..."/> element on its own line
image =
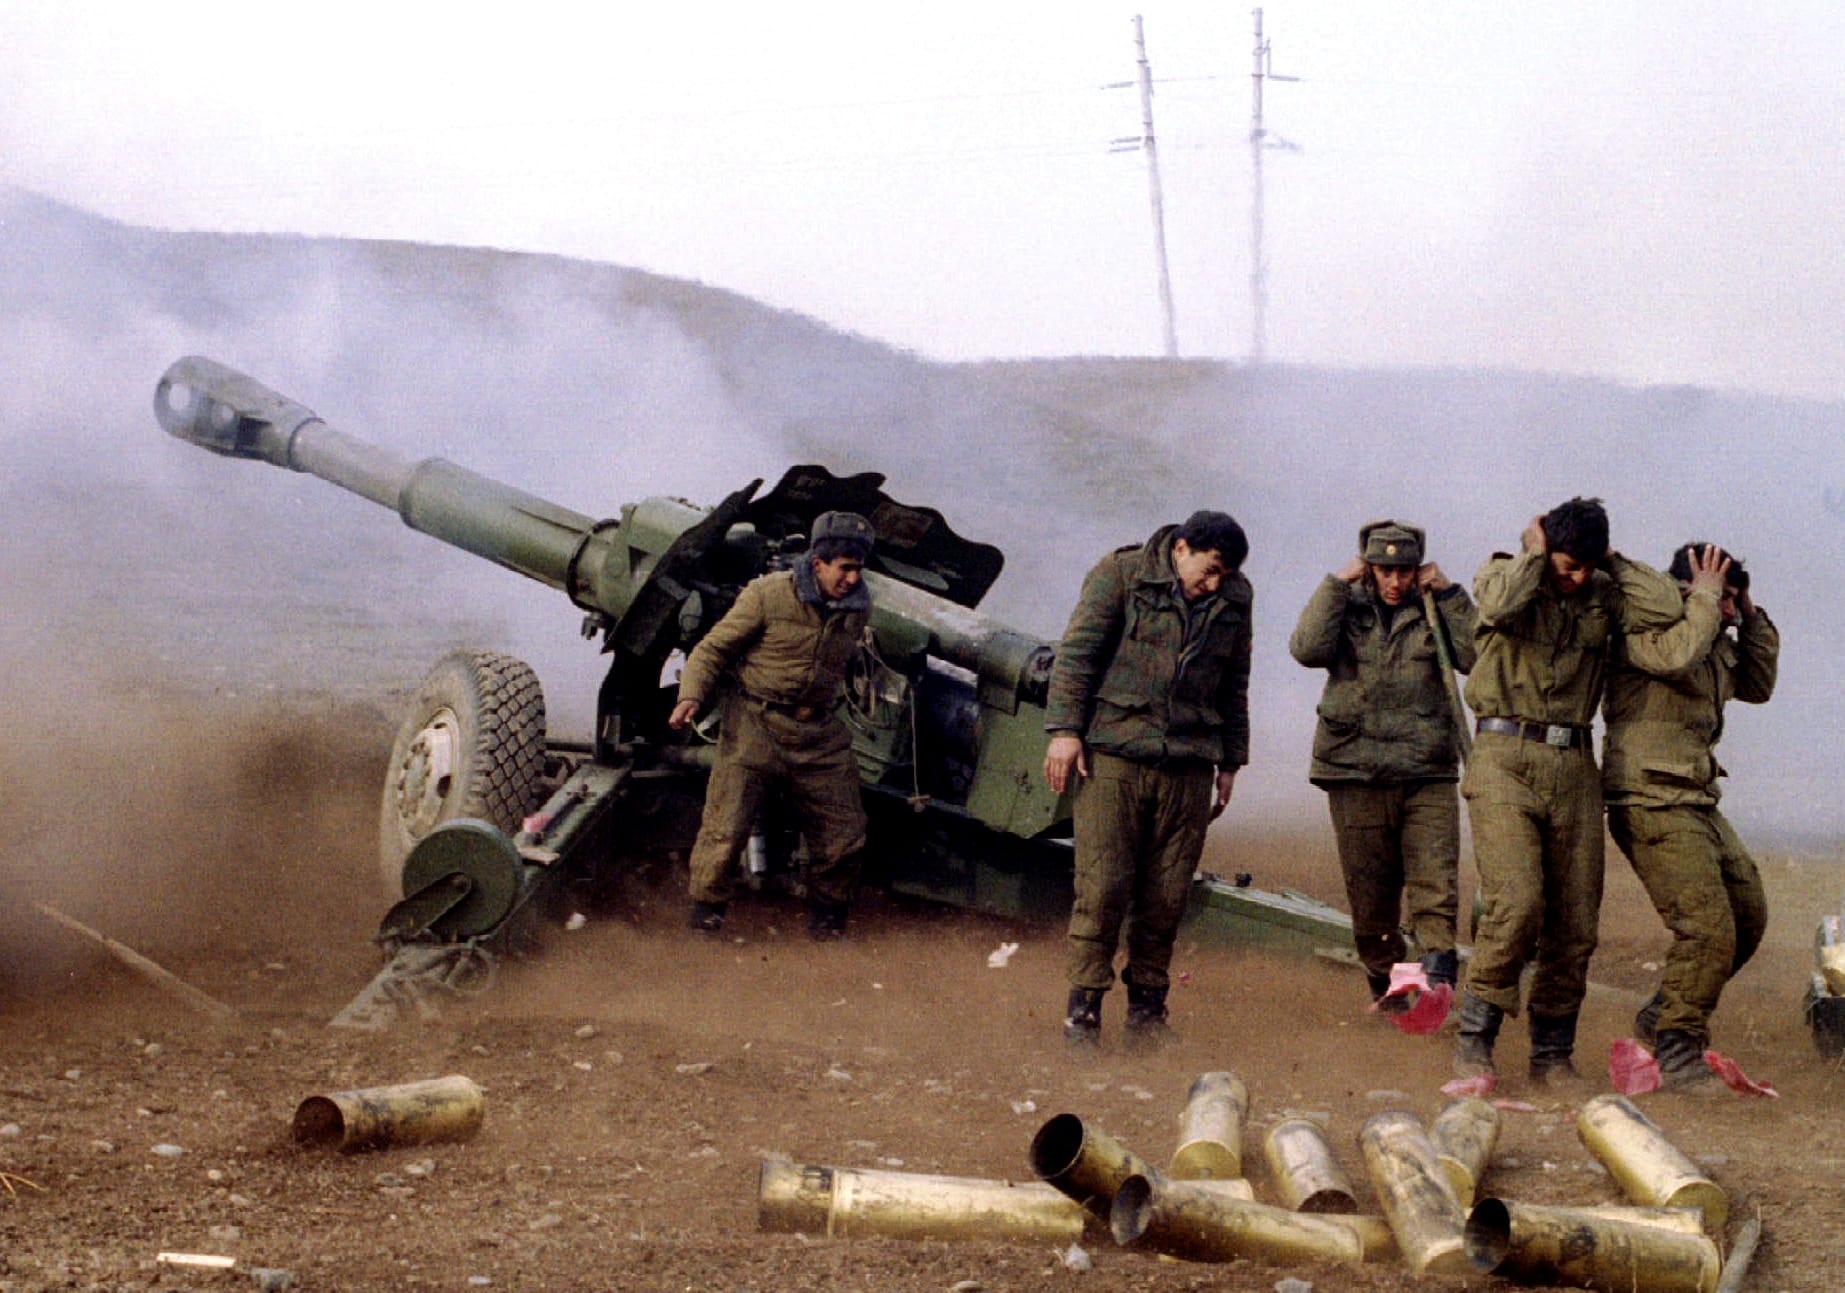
<point x="826" y="920"/>
<point x="1477" y="1029"/>
<point x="1442" y="967"/>
<point x="1553" y="1050"/>
<point x="1082" y="1019"/>
<point x="707" y="917"/>
<point x="1147" y="1028"/>
<point x="1646" y="1019"/>
<point x="1681" y="1063"/>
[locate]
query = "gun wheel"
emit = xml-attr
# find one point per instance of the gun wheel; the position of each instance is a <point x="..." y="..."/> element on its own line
<point x="471" y="745"/>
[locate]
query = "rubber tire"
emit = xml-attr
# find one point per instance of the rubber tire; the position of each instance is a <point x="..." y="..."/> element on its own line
<point x="491" y="708"/>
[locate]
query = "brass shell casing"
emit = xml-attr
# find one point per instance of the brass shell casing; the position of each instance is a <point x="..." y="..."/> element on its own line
<point x="1180" y="1219"/>
<point x="844" y="1202"/>
<point x="1085" y="1163"/>
<point x="1464" y="1134"/>
<point x="1649" y="1168"/>
<point x="1211" y="1130"/>
<point x="415" y="1113"/>
<point x="1589" y="1248"/>
<point x="1418" y="1202"/>
<point x="1306" y="1175"/>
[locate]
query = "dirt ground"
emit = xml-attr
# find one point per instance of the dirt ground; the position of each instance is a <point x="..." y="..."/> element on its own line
<point x="637" y="1076"/>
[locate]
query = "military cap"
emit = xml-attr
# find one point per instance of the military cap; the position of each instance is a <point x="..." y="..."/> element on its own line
<point x="1391" y="543"/>
<point x="844" y="525"/>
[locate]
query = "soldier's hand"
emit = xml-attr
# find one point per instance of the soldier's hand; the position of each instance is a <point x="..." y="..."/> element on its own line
<point x="683" y="714"/>
<point x="1064" y="753"/>
<point x="1533" y="538"/>
<point x="1429" y="579"/>
<point x="1220" y="797"/>
<point x="1351" y="572"/>
<point x="1709" y="567"/>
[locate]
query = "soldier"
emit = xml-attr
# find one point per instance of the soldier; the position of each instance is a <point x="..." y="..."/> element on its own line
<point x="786" y="642"/>
<point x="1548" y="619"/>
<point x="1386" y="751"/>
<point x="1149" y="707"/>
<point x="1660" y="781"/>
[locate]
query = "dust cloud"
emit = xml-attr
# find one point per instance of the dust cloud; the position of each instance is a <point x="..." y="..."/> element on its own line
<point x="166" y="608"/>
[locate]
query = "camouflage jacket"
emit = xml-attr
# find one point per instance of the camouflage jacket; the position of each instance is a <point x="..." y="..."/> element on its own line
<point x="1543" y="658"/>
<point x="1662" y="727"/>
<point x="1142" y="676"/>
<point x="1385" y="714"/>
<point x="782" y="648"/>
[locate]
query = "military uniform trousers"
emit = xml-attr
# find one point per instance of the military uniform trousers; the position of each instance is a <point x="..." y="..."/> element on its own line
<point x="1399" y="846"/>
<point x="1706" y="888"/>
<point x="812" y="763"/>
<point x="1139" y="835"/>
<point x="1536" y="814"/>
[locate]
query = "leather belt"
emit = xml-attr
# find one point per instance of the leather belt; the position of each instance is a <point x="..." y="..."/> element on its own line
<point x="799" y="713"/>
<point x="1562" y="735"/>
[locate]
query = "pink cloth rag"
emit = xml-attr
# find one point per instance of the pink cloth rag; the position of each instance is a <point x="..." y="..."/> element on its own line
<point x="1631" y="1067"/>
<point x="1428" y="1007"/>
<point x="1735" y="1079"/>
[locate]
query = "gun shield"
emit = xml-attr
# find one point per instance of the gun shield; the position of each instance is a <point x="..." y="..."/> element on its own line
<point x="1590" y="1248"/>
<point x="1649" y="1168"/>
<point x="415" y="1113"/>
<point x="1189" y="1219"/>
<point x="1305" y="1173"/>
<point x="1418" y="1202"/>
<point x="1211" y="1130"/>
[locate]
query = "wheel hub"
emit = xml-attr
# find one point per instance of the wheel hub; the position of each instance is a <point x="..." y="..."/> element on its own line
<point x="425" y="778"/>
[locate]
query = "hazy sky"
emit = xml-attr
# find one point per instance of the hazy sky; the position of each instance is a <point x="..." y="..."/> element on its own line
<point x="1629" y="189"/>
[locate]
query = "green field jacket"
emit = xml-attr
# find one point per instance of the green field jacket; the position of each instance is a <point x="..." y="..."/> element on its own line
<point x="1663" y="727"/>
<point x="782" y="649"/>
<point x="1385" y="714"/>
<point x="1139" y="677"/>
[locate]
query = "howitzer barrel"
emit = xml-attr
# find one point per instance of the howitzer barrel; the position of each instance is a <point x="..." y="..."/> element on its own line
<point x="225" y="412"/>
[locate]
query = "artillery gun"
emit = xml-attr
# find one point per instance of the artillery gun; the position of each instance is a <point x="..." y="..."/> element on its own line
<point x="487" y="824"/>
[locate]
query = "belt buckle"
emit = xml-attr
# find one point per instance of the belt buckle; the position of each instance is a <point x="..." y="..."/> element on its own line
<point x="1560" y="737"/>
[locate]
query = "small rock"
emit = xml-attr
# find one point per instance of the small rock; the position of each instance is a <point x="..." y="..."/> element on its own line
<point x="226" y="1234"/>
<point x="103" y="1146"/>
<point x="72" y="1075"/>
<point x="1074" y="1258"/>
<point x="1293" y="1285"/>
<point x="967" y="1286"/>
<point x="214" y="1175"/>
<point x="613" y="1057"/>
<point x="586" y="1032"/>
<point x="153" y="1050"/>
<point x="891" y="1162"/>
<point x="422" y="1167"/>
<point x="144" y="1112"/>
<point x="583" y="1066"/>
<point x="11" y="1129"/>
<point x="546" y="1222"/>
<point x="478" y="1049"/>
<point x="577" y="921"/>
<point x="1024" y="1106"/>
<point x="838" y="1074"/>
<point x="480" y="1281"/>
<point x="272" y="1279"/>
<point x="693" y="1070"/>
<point x="220" y="1094"/>
<point x="240" y="1200"/>
<point x="387" y="1179"/>
<point x="167" y="1149"/>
